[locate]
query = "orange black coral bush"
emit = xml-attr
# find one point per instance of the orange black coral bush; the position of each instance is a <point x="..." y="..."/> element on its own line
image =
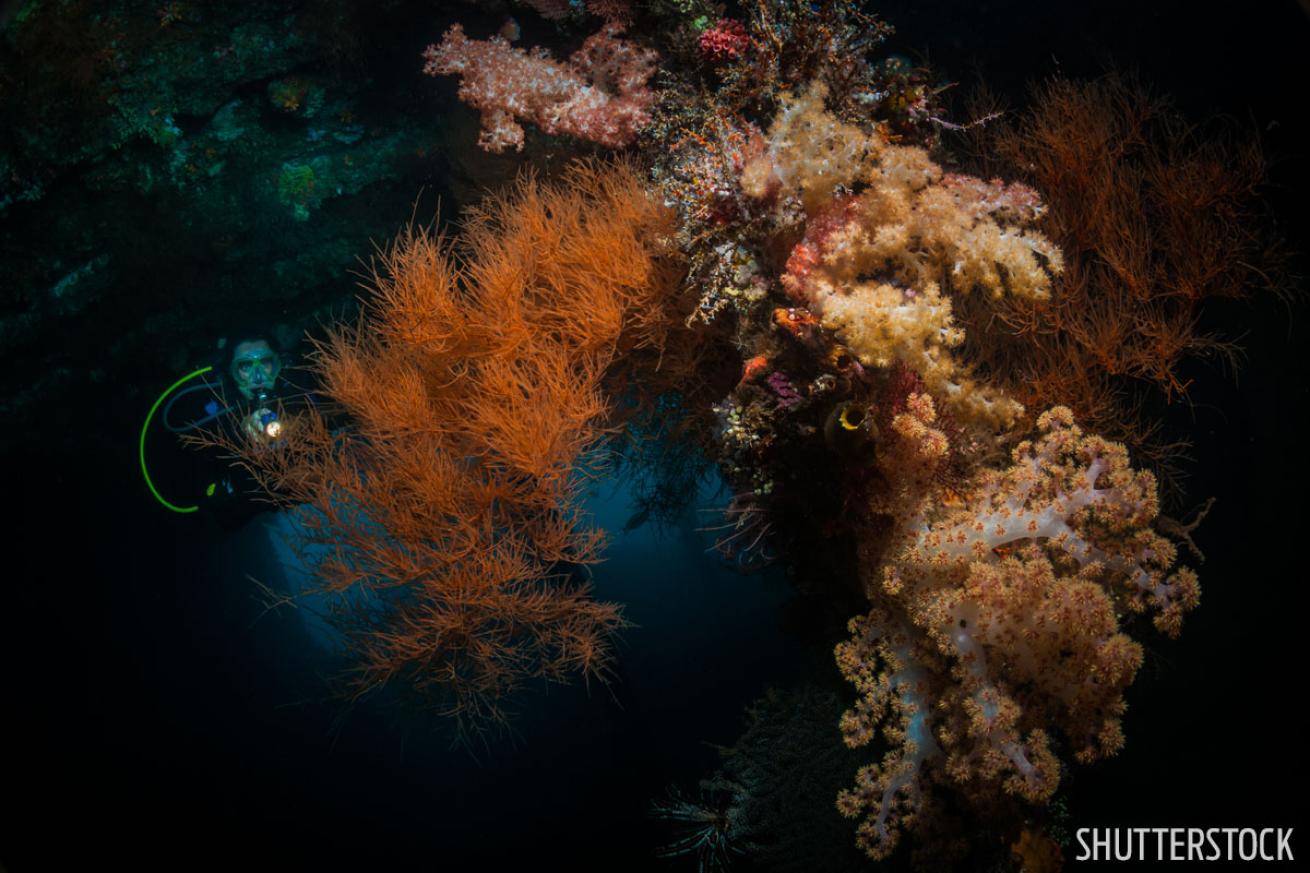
<point x="1154" y="217"/>
<point x="440" y="491"/>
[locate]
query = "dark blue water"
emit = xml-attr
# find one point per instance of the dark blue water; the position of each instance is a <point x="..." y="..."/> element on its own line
<point x="178" y="691"/>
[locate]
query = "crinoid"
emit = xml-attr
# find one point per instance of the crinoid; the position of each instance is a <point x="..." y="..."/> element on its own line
<point x="710" y="827"/>
<point x="743" y="536"/>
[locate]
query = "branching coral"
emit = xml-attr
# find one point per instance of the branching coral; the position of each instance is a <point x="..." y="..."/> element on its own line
<point x="1154" y="218"/>
<point x="445" y="485"/>
<point x="995" y="616"/>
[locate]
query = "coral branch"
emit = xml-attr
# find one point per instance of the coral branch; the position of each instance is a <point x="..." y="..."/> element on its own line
<point x="443" y="497"/>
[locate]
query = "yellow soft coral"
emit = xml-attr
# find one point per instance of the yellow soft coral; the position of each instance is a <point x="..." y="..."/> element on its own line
<point x="879" y="267"/>
<point x="810" y="152"/>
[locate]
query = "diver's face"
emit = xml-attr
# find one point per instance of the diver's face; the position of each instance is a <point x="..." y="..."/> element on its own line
<point x="254" y="367"/>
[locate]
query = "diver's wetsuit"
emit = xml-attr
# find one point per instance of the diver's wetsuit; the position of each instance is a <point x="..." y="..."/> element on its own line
<point x="228" y="493"/>
<point x="220" y="487"/>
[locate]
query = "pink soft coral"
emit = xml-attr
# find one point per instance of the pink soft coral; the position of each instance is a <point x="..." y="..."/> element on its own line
<point x="600" y="95"/>
<point x="995" y="619"/>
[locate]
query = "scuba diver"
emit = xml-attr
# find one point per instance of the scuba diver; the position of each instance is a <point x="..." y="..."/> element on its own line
<point x="245" y="400"/>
